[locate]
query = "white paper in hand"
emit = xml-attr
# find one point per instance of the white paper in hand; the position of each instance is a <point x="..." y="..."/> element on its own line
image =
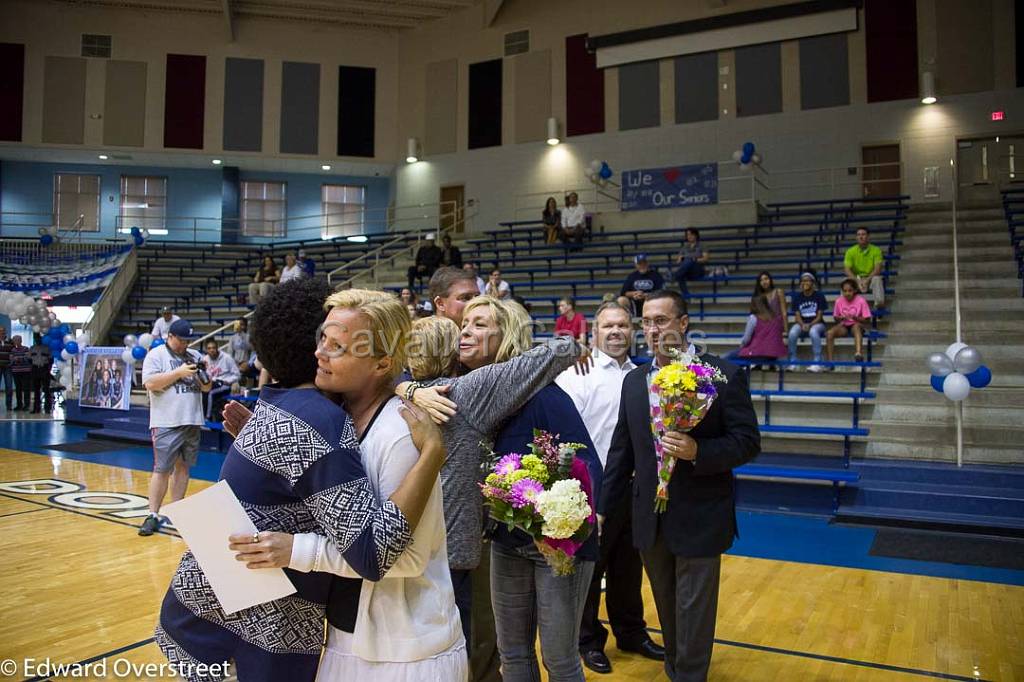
<point x="205" y="520"/>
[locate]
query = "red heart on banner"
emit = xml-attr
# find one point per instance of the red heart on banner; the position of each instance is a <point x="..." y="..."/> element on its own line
<point x="671" y="174"/>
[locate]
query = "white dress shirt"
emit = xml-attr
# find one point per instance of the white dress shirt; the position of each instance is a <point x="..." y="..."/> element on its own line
<point x="573" y="216"/>
<point x="596" y="396"/>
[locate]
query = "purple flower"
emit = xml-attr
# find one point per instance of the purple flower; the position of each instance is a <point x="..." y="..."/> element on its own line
<point x="524" y="492"/>
<point x="507" y="464"/>
<point x="491" y="492"/>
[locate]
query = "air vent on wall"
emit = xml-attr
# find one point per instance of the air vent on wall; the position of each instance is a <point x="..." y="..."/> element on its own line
<point x="94" y="45"/>
<point x="517" y="42"/>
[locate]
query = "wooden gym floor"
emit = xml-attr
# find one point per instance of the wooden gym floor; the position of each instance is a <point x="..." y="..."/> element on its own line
<point x="80" y="585"/>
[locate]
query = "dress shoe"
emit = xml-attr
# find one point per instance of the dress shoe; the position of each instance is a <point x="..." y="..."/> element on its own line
<point x="648" y="649"/>
<point x="597" y="661"/>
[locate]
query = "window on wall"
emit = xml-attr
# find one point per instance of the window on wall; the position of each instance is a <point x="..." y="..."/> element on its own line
<point x="143" y="203"/>
<point x="263" y="209"/>
<point x="74" y="196"/>
<point x="344" y="210"/>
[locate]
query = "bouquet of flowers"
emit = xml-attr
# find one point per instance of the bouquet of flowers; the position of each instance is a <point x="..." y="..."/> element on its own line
<point x="547" y="494"/>
<point x="681" y="394"/>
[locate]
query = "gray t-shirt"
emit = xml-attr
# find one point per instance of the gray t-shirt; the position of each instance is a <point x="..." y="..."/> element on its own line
<point x="181" y="403"/>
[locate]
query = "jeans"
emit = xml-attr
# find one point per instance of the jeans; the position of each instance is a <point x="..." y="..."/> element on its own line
<point x="527" y="595"/>
<point x="258" y="290"/>
<point x="689" y="269"/>
<point x="817" y="333"/>
<point x="7" y="379"/>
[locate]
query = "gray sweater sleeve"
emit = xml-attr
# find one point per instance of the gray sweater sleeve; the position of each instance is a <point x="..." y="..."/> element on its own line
<point x="488" y="396"/>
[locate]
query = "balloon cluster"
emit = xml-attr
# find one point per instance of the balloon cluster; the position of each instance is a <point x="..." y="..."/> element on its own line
<point x="138" y="236"/>
<point x="136" y="347"/>
<point x="958" y="370"/>
<point x="599" y="172"/>
<point x="746" y="157"/>
<point x="32" y="312"/>
<point x="48" y="236"/>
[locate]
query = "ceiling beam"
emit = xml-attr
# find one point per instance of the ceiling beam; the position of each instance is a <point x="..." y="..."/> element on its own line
<point x="229" y="21"/>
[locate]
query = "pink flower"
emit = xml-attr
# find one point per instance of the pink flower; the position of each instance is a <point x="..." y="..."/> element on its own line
<point x="507" y="464"/>
<point x="567" y="545"/>
<point x="524" y="492"/>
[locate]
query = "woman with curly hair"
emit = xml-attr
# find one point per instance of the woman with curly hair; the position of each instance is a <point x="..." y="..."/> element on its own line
<point x="296" y="468"/>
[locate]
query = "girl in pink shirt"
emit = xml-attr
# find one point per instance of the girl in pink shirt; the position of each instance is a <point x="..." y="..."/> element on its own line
<point x="852" y="314"/>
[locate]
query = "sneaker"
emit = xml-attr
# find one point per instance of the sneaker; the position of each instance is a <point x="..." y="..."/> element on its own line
<point x="150" y="525"/>
<point x="859" y="357"/>
<point x="830" y="368"/>
<point x="792" y="368"/>
<point x="815" y="368"/>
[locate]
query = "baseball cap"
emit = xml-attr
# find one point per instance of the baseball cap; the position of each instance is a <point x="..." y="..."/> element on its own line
<point x="165" y="309"/>
<point x="639" y="257"/>
<point x="182" y="329"/>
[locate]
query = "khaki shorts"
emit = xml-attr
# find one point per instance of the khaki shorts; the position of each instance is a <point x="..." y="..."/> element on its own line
<point x="169" y="443"/>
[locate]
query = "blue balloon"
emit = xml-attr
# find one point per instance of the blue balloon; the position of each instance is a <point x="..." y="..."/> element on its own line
<point x="56" y="346"/>
<point x="64" y="329"/>
<point x="136" y="231"/>
<point x="937" y="382"/>
<point x="46" y="239"/>
<point x="156" y="343"/>
<point x="138" y="240"/>
<point x="748" y="149"/>
<point x="72" y="348"/>
<point x="980" y="378"/>
<point x="606" y="170"/>
<point x="138" y="352"/>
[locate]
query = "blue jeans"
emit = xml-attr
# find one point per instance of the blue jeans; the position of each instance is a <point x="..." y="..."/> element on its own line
<point x="689" y="269"/>
<point x="526" y="595"/>
<point x="7" y="379"/>
<point x="817" y="332"/>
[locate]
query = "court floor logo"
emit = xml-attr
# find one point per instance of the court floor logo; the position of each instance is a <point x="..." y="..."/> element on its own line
<point x="76" y="497"/>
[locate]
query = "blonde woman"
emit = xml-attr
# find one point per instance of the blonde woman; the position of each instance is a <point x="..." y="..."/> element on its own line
<point x="404" y="627"/>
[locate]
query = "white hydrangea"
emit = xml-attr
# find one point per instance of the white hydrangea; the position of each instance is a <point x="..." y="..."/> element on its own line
<point x="564" y="508"/>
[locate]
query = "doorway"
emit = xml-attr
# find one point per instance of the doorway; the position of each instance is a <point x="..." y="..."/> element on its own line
<point x="452" y="212"/>
<point x="881" y="170"/>
<point x="986" y="165"/>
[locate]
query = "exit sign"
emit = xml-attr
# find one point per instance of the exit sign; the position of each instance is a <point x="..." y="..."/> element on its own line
<point x="997" y="116"/>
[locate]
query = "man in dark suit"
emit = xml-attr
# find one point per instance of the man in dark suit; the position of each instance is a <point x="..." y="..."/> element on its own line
<point x="682" y="546"/>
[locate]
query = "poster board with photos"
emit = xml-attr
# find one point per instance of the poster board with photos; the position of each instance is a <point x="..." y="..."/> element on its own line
<point x="106" y="379"/>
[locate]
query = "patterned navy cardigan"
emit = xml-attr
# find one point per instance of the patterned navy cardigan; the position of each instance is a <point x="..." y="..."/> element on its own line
<point x="296" y="468"/>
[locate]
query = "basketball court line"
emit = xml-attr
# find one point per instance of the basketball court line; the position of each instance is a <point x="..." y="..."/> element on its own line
<point x="99" y="657"/>
<point x="25" y="511"/>
<point x="162" y="531"/>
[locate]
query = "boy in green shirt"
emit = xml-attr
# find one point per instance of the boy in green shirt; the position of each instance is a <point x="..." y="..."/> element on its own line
<point x="863" y="263"/>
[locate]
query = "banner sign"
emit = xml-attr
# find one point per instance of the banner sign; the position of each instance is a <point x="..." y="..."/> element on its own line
<point x="672" y="187"/>
<point x="106" y="379"/>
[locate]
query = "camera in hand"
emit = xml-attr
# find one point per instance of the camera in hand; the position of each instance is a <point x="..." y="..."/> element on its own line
<point x="201" y="373"/>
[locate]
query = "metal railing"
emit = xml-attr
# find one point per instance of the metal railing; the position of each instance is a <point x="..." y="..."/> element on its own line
<point x="836" y="182"/>
<point x="105" y="310"/>
<point x="28" y="254"/>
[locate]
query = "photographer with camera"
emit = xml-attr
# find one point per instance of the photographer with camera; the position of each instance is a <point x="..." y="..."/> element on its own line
<point x="175" y="378"/>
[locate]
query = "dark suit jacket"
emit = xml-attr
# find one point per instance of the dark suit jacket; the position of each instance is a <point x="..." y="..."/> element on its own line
<point x="700" y="520"/>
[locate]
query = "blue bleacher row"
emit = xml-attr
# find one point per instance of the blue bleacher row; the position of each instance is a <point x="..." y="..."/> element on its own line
<point x="1013" y="207"/>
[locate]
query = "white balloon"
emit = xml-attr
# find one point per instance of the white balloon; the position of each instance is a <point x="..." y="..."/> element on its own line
<point x="956" y="386"/>
<point x="65" y="355"/>
<point x="953" y="349"/>
<point x="737" y="155"/>
<point x="126" y="355"/>
<point x="68" y="338"/>
<point x="595" y="166"/>
<point x="130" y="340"/>
<point x="146" y="340"/>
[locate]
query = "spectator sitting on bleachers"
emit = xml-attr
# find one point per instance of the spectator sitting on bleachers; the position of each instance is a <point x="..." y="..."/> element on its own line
<point x="163" y="323"/>
<point x="224" y="374"/>
<point x="852" y="314"/>
<point x="264" y="280"/>
<point x="481" y="285"/>
<point x="450" y="255"/>
<point x="808" y="308"/>
<point x="863" y="264"/>
<point x="241" y="350"/>
<point x="552" y="219"/>
<point x="428" y="260"/>
<point x="496" y="286"/>
<point x="691" y="259"/>
<point x="307" y="264"/>
<point x="641" y="282"/>
<point x="570" y="322"/>
<point x="291" y="270"/>
<point x="763" y="337"/>
<point x="408" y="297"/>
<point x="574" y="220"/>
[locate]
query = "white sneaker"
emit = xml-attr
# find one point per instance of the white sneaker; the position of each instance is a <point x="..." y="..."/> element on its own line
<point x="792" y="368"/>
<point x="814" y="368"/>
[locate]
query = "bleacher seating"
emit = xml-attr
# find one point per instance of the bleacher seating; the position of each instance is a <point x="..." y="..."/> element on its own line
<point x="1013" y="207"/>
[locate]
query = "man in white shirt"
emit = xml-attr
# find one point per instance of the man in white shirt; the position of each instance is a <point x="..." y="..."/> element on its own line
<point x="171" y="375"/>
<point x="481" y="285"/>
<point x="596" y="396"/>
<point x="163" y="323"/>
<point x="574" y="220"/>
<point x="224" y="373"/>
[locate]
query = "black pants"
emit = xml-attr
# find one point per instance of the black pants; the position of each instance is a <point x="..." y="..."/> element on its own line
<point x="415" y="271"/>
<point x="620" y="562"/>
<point x="41" y="388"/>
<point x="215" y="400"/>
<point x="23" y="390"/>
